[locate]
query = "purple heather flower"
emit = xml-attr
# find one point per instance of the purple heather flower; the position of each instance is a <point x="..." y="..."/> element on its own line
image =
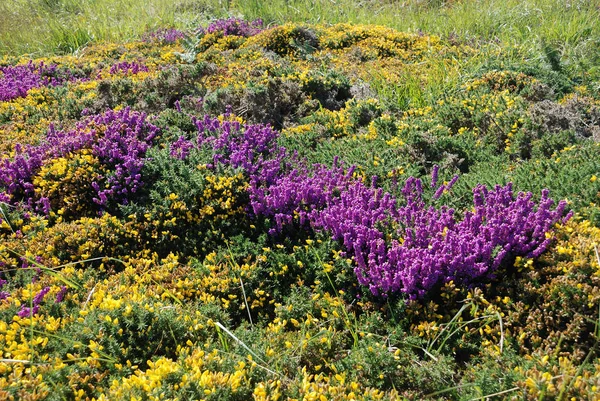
<point x="16" y="81"/>
<point x="434" y="176"/>
<point x="39" y="297"/>
<point x="164" y="35"/>
<point x="180" y="149"/>
<point x="3" y="294"/>
<point x="451" y="183"/>
<point x="125" y="67"/>
<point x="445" y="187"/>
<point x="234" y="26"/>
<point x="61" y="294"/>
<point x="26" y="311"/>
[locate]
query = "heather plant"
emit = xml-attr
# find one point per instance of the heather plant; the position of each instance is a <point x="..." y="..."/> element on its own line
<point x="234" y="26"/>
<point x="406" y="265"/>
<point x="163" y="35"/>
<point x="118" y="140"/>
<point x="293" y="198"/>
<point x="16" y="81"/>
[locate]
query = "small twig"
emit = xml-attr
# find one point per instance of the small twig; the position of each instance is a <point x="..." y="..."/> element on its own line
<point x="501" y="332"/>
<point x="446" y="390"/>
<point x="89" y="297"/>
<point x="429" y="354"/>
<point x="219" y="325"/>
<point x="246" y="301"/>
<point x="169" y="293"/>
<point x="236" y="266"/>
<point x="461" y="310"/>
<point x="485" y="397"/>
<point x="14" y="361"/>
<point x="498" y="126"/>
<point x="6" y="217"/>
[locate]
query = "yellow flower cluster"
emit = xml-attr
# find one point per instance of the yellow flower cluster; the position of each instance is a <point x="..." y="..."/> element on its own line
<point x="562" y="378"/>
<point x="501" y="81"/>
<point x="28" y="118"/>
<point x="66" y="182"/>
<point x="190" y="371"/>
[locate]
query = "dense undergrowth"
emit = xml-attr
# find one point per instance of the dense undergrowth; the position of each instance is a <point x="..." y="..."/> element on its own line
<point x="298" y="212"/>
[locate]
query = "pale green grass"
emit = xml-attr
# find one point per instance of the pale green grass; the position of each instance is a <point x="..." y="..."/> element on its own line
<point x="48" y="26"/>
<point x="63" y="26"/>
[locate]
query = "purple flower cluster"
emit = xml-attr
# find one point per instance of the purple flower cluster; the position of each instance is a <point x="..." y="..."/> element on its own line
<point x="16" y="81"/>
<point x="297" y="195"/>
<point x="16" y="174"/>
<point x="3" y="294"/>
<point x="430" y="246"/>
<point x="234" y="26"/>
<point x="163" y="35"/>
<point x="252" y="148"/>
<point x="26" y="311"/>
<point x="125" y="137"/>
<point x="433" y="246"/>
<point x="60" y="296"/>
<point x="119" y="139"/>
<point x="399" y="245"/>
<point x="125" y="67"/>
